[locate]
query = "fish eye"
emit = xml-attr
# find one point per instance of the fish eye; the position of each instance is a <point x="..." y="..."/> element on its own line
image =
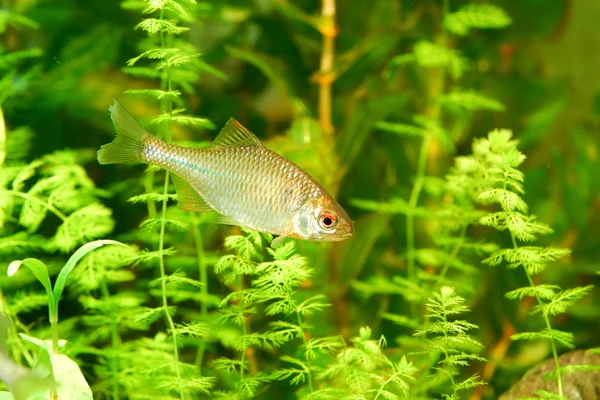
<point x="327" y="220"/>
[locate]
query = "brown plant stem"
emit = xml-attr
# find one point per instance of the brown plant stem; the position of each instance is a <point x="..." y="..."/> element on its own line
<point x="325" y="79"/>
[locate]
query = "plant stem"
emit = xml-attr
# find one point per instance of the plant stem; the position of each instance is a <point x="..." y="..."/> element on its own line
<point x="329" y="32"/>
<point x="149" y="187"/>
<point x="446" y="266"/>
<point x="167" y="107"/>
<point x="446" y="355"/>
<point x="55" y="348"/>
<point x="54" y="329"/>
<point x="244" y="331"/>
<point x="421" y="169"/>
<point x="442" y="80"/>
<point x="413" y="201"/>
<point x="163" y="276"/>
<point x="301" y="324"/>
<point x="204" y="289"/>
<point x="2" y="138"/>
<point x="115" y="341"/>
<point x="384" y="384"/>
<point x="548" y="325"/>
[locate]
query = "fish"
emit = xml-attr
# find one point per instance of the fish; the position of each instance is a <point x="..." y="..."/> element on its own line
<point x="237" y="178"/>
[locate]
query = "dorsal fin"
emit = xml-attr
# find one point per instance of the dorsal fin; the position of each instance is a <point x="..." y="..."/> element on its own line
<point x="235" y="134"/>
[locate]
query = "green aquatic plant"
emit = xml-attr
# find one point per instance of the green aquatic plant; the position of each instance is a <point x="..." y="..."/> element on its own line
<point x="378" y="101"/>
<point x="458" y="102"/>
<point x="451" y="255"/>
<point x="363" y="371"/>
<point x="450" y="222"/>
<point x="66" y="378"/>
<point x="269" y="285"/>
<point x="494" y="165"/>
<point x="451" y="338"/>
<point x="176" y="64"/>
<point x="265" y="284"/>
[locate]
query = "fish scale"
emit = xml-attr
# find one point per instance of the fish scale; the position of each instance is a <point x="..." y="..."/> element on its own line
<point x="239" y="178"/>
<point x="245" y="183"/>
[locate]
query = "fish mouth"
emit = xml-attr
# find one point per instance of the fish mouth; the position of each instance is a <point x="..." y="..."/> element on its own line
<point x="346" y="234"/>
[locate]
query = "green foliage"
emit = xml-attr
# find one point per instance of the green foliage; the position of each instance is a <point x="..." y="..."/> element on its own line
<point x="363" y="368"/>
<point x="451" y="338"/>
<point x="381" y="102"/>
<point x="494" y="164"/>
<point x="478" y="16"/>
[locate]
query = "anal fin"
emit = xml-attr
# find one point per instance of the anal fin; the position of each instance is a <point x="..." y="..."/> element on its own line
<point x="188" y="198"/>
<point x="222" y="219"/>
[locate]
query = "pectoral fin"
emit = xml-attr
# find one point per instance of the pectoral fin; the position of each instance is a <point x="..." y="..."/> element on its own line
<point x="188" y="198"/>
<point x="278" y="241"/>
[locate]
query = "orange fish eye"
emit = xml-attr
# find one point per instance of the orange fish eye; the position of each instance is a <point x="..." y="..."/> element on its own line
<point x="327" y="220"/>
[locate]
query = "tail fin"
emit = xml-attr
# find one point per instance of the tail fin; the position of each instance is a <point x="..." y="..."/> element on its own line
<point x="131" y="137"/>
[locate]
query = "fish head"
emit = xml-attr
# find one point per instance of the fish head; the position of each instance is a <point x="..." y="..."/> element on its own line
<point x="322" y="219"/>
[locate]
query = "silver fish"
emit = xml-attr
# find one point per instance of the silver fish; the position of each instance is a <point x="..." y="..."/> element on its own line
<point x="237" y="177"/>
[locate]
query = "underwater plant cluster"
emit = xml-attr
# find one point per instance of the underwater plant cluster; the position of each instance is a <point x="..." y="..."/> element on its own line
<point x="459" y="137"/>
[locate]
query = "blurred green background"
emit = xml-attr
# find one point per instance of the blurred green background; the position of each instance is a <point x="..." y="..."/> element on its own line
<point x="542" y="70"/>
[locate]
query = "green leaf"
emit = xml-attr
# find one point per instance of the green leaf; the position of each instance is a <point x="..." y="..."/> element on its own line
<point x="544" y="292"/>
<point x="33" y="212"/>
<point x="428" y="55"/>
<point x="11" y="59"/>
<point x="272" y="69"/>
<point x="16" y="20"/>
<point x="45" y="345"/>
<point x="324" y="345"/>
<point x="70" y="380"/>
<point x="353" y="253"/>
<point x="61" y="280"/>
<point x="155" y="25"/>
<point x="565" y="338"/>
<point x="525" y="228"/>
<point x="401" y="320"/>
<point x="509" y="201"/>
<point x="156" y="93"/>
<point x="142" y="72"/>
<point x="470" y="383"/>
<point x="401" y="129"/>
<point x="154" y="54"/>
<point x="561" y="301"/>
<point x="480" y="16"/>
<point x="40" y="271"/>
<point x="308" y="306"/>
<point x="396" y="205"/>
<point x="156" y="197"/>
<point x="184" y="120"/>
<point x="471" y="101"/>
<point x="155" y="224"/>
<point x="87" y="223"/>
<point x="533" y="258"/>
<point x="435" y="131"/>
<point x="200" y="330"/>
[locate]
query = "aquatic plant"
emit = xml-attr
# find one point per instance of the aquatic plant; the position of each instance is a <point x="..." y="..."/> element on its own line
<point x="494" y="164"/>
<point x="386" y="104"/>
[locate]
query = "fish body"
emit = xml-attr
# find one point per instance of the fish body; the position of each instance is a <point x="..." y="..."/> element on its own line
<point x="237" y="177"/>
